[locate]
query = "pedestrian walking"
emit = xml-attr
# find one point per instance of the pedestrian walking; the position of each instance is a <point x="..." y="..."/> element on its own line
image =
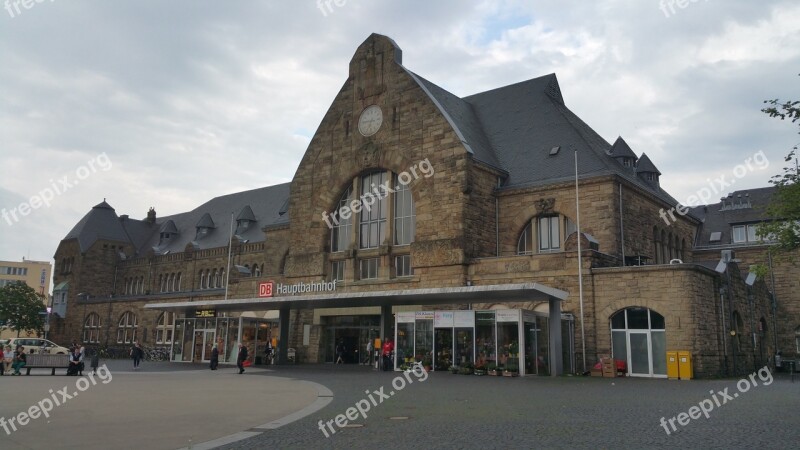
<point x="95" y="361"/>
<point x="137" y="353"/>
<point x="368" y="359"/>
<point x="214" y="358"/>
<point x="241" y="358"/>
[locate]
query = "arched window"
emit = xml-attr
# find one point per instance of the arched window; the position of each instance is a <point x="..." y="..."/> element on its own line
<point x="91" y="329"/>
<point x="221" y="277"/>
<point x="164" y="326"/>
<point x="372" y="226"/>
<point x="671" y="245"/>
<point x="545" y="234"/>
<point x="161" y="283"/>
<point x="525" y="242"/>
<point x="141" y="285"/>
<point x="176" y="286"/>
<point x="214" y="279"/>
<point x="638" y="336"/>
<point x="256" y="270"/>
<point x="664" y="251"/>
<point x="126" y="330"/>
<point x="341" y="227"/>
<point x="404" y="216"/>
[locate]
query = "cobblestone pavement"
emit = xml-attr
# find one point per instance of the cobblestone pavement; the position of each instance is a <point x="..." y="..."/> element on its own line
<point x="457" y="411"/>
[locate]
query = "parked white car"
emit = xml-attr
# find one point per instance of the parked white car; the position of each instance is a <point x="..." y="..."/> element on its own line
<point x="38" y="345"/>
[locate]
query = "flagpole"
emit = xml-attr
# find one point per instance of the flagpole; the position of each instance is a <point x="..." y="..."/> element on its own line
<point x="228" y="270"/>
<point x="580" y="262"/>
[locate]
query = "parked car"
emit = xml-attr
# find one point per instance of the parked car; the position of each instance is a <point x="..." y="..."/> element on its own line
<point x="38" y="345"/>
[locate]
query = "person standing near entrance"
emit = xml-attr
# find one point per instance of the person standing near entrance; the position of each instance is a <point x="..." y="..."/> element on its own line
<point x="241" y="358"/>
<point x="214" y="357"/>
<point x="340" y="353"/>
<point x="137" y="353"/>
<point x="388" y="348"/>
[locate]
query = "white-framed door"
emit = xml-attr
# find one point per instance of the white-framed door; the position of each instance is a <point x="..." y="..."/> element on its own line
<point x="640" y="353"/>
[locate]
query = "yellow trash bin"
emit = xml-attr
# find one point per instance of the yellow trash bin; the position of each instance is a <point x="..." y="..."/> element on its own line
<point x="672" y="366"/>
<point x="685" y="370"/>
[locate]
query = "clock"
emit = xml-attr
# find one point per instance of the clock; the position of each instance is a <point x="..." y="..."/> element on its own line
<point x="370" y="120"/>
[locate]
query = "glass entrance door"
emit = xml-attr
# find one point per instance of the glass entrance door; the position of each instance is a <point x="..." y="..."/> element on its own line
<point x="203" y="341"/>
<point x="640" y="358"/>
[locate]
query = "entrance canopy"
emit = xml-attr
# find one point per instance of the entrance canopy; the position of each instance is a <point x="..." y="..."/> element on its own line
<point x="433" y="296"/>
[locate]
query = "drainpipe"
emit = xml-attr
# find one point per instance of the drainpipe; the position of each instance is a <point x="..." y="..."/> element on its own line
<point x="621" y="226"/>
<point x="774" y="303"/>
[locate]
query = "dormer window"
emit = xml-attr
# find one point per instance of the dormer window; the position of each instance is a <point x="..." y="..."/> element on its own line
<point x="650" y="176"/>
<point x="626" y="162"/>
<point x="204" y="226"/>
<point x="245" y="219"/>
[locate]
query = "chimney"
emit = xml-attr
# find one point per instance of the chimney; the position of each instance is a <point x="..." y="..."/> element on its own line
<point x="151" y="216"/>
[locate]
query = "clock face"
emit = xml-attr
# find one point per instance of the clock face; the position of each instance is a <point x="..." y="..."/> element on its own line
<point x="370" y="121"/>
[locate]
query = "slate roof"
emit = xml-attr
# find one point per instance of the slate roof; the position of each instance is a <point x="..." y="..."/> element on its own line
<point x="103" y="223"/>
<point x="716" y="218"/>
<point x="621" y="149"/>
<point x="514" y="128"/>
<point x="264" y="206"/>
<point x="644" y="165"/>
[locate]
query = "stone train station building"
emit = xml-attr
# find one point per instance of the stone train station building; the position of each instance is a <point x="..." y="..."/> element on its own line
<point x="447" y="223"/>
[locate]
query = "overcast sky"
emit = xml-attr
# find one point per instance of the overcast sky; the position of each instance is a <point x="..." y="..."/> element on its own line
<point x="169" y="104"/>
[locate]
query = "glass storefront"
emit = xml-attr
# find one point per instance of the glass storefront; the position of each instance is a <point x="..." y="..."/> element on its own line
<point x="195" y="338"/>
<point x="511" y="340"/>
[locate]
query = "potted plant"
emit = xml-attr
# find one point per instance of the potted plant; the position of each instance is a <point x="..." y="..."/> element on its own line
<point x="466" y="369"/>
<point x="480" y="369"/>
<point x="511" y="370"/>
<point x="427" y="362"/>
<point x="454" y="369"/>
<point x="492" y="368"/>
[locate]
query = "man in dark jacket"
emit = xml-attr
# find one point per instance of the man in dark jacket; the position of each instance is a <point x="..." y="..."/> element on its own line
<point x="214" y="358"/>
<point x="241" y="358"/>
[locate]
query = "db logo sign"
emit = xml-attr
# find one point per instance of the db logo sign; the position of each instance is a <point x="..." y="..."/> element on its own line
<point x="266" y="288"/>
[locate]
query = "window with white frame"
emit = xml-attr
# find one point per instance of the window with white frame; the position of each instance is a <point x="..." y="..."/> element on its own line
<point x="337" y="270"/>
<point x="126" y="330"/>
<point x="164" y="328"/>
<point x="91" y="329"/>
<point x="402" y="266"/>
<point x="368" y="268"/>
<point x="549" y="234"/>
<point x="372" y="230"/>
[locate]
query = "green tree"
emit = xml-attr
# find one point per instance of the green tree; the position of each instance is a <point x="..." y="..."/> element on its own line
<point x="21" y="308"/>
<point x="785" y="204"/>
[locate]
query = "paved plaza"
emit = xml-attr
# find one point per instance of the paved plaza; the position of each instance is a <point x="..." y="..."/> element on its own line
<point x="168" y="406"/>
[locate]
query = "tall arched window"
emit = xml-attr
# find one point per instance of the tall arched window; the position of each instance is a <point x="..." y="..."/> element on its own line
<point x="372" y="226"/>
<point x="202" y="279"/>
<point x="404" y="216"/>
<point x="91" y="329"/>
<point x="214" y="279"/>
<point x="221" y="277"/>
<point x="342" y="227"/>
<point x="164" y="327"/>
<point x="797" y="339"/>
<point x="656" y="246"/>
<point x="664" y="245"/>
<point x="256" y="270"/>
<point x="126" y="330"/>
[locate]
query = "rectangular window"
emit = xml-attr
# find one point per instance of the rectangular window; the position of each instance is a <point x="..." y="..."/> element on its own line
<point x="751" y="233"/>
<point x="402" y="266"/>
<point x="337" y="270"/>
<point x="368" y="268"/>
<point x="549" y="234"/>
<point x="739" y="234"/>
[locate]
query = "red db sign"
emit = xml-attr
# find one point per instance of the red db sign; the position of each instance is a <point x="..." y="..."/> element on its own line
<point x="265" y="289"/>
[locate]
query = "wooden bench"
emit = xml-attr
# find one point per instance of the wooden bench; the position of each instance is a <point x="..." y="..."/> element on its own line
<point x="46" y="362"/>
